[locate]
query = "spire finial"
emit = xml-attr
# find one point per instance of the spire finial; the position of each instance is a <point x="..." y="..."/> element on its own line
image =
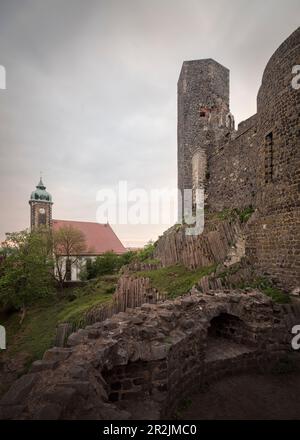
<point x="41" y="184"/>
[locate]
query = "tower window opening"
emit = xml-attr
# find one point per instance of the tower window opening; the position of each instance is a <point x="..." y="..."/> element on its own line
<point x="202" y="114"/>
<point x="42" y="219"/>
<point x="269" y="158"/>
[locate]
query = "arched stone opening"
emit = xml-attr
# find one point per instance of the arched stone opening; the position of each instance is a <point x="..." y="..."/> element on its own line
<point x="228" y="336"/>
<point x="226" y="326"/>
<point x="230" y="121"/>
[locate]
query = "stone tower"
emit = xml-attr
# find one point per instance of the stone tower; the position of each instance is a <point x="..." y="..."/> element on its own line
<point x="204" y="120"/>
<point x="40" y="207"/>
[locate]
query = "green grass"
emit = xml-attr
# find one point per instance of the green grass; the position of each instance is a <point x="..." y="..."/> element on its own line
<point x="266" y="287"/>
<point x="226" y="214"/>
<point x="37" y="332"/>
<point x="151" y="261"/>
<point x="231" y="214"/>
<point x="254" y="282"/>
<point x="175" y="280"/>
<point x="74" y="311"/>
<point x="245" y="214"/>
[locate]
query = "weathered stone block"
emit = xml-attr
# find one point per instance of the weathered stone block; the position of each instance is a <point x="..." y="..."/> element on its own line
<point x="20" y="389"/>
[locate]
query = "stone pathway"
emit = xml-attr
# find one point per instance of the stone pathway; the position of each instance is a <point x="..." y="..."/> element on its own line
<point x="222" y="349"/>
<point x="250" y="397"/>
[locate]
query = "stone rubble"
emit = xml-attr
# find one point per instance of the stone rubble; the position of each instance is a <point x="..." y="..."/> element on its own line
<point x="151" y="356"/>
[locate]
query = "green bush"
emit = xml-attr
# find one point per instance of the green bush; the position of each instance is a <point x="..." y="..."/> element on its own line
<point x="147" y="253"/>
<point x="106" y="264"/>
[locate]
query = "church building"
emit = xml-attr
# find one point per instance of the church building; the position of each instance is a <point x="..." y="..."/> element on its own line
<point x="99" y="238"/>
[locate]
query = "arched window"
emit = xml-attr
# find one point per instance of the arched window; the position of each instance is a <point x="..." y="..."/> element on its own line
<point x="230" y="121"/>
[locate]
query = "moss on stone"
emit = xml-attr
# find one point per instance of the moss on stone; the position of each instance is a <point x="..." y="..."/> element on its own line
<point x="266" y="287"/>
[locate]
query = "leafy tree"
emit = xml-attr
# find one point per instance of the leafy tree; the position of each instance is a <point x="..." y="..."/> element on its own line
<point x="127" y="257"/>
<point x="26" y="269"/>
<point x="147" y="252"/>
<point x="105" y="264"/>
<point x="68" y="244"/>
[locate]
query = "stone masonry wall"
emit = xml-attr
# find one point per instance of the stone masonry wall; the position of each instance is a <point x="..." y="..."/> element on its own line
<point x="274" y="242"/>
<point x="203" y="109"/>
<point x="232" y="170"/>
<point x="258" y="165"/>
<point x="153" y="356"/>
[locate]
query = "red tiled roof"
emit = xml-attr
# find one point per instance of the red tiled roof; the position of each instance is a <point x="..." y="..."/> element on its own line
<point x="99" y="238"/>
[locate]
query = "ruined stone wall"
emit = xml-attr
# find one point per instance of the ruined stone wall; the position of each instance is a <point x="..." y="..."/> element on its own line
<point x="259" y="165"/>
<point x="274" y="241"/>
<point x="232" y="170"/>
<point x="153" y="356"/>
<point x="273" y="247"/>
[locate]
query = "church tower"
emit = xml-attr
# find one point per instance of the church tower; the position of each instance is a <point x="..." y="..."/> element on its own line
<point x="40" y="207"/>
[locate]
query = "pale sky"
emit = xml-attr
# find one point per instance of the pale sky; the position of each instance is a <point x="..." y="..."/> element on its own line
<point x="91" y="92"/>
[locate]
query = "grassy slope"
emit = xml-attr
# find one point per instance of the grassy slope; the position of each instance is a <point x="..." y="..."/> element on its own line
<point x="37" y="332"/>
<point x="175" y="280"/>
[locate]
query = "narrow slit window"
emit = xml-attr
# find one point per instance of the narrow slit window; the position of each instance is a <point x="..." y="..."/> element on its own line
<point x="269" y="158"/>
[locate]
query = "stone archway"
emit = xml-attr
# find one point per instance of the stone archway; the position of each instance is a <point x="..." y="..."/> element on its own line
<point x="226" y="326"/>
<point x="228" y="338"/>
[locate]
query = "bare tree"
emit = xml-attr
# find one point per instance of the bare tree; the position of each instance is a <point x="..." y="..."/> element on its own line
<point x="68" y="244"/>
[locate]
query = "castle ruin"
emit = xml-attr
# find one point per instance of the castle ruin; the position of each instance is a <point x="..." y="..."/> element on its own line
<point x="141" y="362"/>
<point x="257" y="165"/>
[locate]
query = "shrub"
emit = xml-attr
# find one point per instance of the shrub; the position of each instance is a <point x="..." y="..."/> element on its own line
<point x="106" y="264"/>
<point x="147" y="252"/>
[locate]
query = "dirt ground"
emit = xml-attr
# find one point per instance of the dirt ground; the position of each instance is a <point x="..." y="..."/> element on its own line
<point x="249" y="397"/>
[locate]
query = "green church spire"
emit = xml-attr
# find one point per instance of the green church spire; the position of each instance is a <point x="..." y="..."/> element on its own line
<point x="40" y="193"/>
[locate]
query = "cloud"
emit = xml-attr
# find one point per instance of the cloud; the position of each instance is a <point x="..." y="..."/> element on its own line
<point x="91" y="91"/>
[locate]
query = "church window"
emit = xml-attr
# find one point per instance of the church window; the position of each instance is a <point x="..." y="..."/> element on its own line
<point x="68" y="270"/>
<point x="42" y="218"/>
